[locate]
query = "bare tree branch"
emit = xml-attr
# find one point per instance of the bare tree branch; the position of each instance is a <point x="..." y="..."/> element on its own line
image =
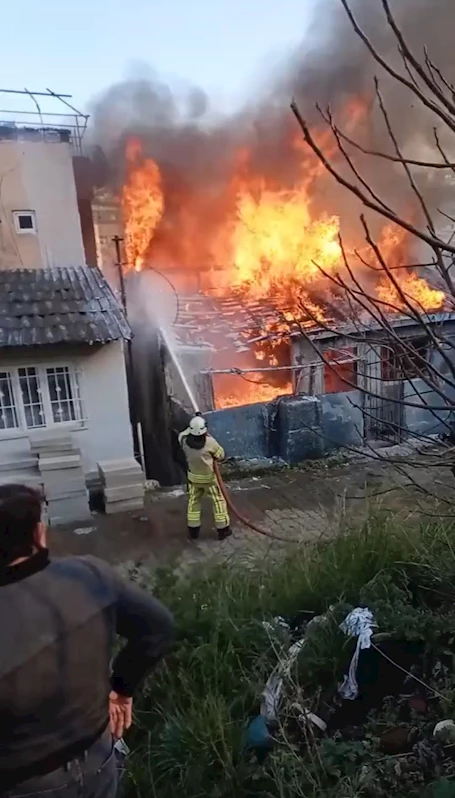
<point x="410" y="58"/>
<point x="432" y="106"/>
<point x="388" y="214"/>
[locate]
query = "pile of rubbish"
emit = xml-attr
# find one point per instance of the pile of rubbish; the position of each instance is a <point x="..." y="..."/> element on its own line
<point x="370" y="688"/>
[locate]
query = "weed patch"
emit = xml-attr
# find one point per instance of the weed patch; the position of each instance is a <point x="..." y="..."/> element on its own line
<point x="193" y="714"/>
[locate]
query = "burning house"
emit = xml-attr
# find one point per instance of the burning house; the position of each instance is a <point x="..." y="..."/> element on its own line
<point x="284" y="288"/>
<point x="275" y="281"/>
<point x="268" y="311"/>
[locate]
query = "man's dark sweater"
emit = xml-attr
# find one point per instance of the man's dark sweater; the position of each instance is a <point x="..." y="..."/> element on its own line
<point x="58" y="630"/>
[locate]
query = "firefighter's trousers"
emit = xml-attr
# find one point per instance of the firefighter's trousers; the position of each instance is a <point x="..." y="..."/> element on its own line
<point x="196" y="492"/>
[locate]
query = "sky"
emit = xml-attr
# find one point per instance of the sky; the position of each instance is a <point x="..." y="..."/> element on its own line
<point x="81" y="48"/>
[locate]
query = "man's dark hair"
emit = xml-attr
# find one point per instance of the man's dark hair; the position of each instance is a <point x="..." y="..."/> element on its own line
<point x="20" y="513"/>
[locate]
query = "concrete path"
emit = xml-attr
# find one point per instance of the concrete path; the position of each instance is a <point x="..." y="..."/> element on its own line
<point x="298" y="505"/>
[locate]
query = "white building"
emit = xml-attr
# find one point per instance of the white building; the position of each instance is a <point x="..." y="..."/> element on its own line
<point x="62" y="331"/>
<point x="39" y="217"/>
<point x="62" y="365"/>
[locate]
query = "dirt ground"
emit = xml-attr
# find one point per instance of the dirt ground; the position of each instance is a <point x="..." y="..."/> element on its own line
<point x="294" y="504"/>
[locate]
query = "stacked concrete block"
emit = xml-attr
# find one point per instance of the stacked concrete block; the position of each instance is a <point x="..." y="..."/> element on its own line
<point x="62" y="476"/>
<point x="123" y="485"/>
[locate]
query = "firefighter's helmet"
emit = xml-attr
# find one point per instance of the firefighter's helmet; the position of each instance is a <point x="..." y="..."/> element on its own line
<point x="197" y="426"/>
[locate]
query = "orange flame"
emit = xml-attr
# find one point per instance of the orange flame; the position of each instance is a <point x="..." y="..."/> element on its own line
<point x="414" y="290"/>
<point x="276" y="244"/>
<point x="266" y="242"/>
<point x="141" y="202"/>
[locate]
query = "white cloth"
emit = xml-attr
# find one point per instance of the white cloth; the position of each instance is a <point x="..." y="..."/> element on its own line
<point x="271" y="696"/>
<point x="359" y="623"/>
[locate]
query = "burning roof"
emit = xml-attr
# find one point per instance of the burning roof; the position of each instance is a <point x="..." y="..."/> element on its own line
<point x="229" y="322"/>
<point x="212" y="321"/>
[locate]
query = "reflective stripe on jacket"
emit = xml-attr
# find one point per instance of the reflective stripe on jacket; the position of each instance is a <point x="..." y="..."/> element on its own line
<point x="200" y="461"/>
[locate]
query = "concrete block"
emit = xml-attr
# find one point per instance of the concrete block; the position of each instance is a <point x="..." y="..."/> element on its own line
<point x="298" y="412"/>
<point x="65" y="489"/>
<point x="68" y="510"/>
<point x="66" y="496"/>
<point x="59" y="462"/>
<point x="124" y="492"/>
<point x="243" y="432"/>
<point x="120" y="480"/>
<point x="30" y="480"/>
<point x="302" y="444"/>
<point x="342" y="420"/>
<point x="19" y="466"/>
<point x="126" y="464"/>
<point x="129" y="505"/>
<point x="93" y="480"/>
<point x="64" y="477"/>
<point x="120" y="473"/>
<point x="51" y="441"/>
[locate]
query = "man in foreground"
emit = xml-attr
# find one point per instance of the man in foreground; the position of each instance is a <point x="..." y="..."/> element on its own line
<point x="61" y="703"/>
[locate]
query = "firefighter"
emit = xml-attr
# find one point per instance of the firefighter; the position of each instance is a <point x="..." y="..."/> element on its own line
<point x="201" y="450"/>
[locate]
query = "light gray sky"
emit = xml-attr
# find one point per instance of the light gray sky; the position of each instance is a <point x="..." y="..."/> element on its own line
<point x="82" y="47"/>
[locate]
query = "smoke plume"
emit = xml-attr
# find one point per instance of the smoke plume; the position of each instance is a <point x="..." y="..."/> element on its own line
<point x="196" y="146"/>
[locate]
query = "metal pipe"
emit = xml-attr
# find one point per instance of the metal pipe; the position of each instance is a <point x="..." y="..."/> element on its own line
<point x="47" y="93"/>
<point x="281" y="368"/>
<point x="35" y="113"/>
<point x="140" y="440"/>
<point x="117" y="241"/>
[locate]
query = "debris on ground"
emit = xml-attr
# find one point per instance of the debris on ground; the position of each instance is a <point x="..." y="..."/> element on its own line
<point x="84" y="530"/>
<point x="369" y="690"/>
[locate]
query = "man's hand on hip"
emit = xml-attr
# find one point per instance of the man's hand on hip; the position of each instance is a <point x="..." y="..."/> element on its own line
<point x="120" y="714"/>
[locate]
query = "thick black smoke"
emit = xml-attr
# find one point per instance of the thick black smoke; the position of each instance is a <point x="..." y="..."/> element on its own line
<point x="194" y="144"/>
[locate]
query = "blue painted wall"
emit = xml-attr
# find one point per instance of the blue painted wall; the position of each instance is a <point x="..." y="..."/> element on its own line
<point x="244" y="432"/>
<point x="298" y="428"/>
<point x="295" y="428"/>
<point x="424" y="419"/>
<point x="342" y="420"/>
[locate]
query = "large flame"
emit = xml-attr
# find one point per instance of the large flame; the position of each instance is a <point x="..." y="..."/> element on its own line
<point x="412" y="292"/>
<point x="142" y="203"/>
<point x="276" y="245"/>
<point x="268" y="244"/>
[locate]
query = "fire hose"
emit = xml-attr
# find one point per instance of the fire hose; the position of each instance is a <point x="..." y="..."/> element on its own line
<point x="240" y="517"/>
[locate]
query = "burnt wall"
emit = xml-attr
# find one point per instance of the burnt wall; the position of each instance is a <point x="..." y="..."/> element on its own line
<point x="83" y="176"/>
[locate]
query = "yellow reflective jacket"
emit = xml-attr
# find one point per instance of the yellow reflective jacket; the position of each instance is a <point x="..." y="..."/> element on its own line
<point x="200" y="461"/>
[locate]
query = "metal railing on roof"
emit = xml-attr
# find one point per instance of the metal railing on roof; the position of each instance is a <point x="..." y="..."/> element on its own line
<point x="21" y="119"/>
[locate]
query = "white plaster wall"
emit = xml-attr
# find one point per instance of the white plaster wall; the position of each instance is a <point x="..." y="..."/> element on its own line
<point x="107" y="432"/>
<point x="38" y="176"/>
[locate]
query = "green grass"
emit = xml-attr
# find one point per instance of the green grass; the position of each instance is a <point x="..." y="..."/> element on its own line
<point x="192" y="714"/>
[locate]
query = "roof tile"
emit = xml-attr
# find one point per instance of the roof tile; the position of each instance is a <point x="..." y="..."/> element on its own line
<point x="61" y="305"/>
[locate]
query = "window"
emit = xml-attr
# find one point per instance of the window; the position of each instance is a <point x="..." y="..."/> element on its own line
<point x="404" y="362"/>
<point x="24" y="222"/>
<point x="64" y="394"/>
<point x="8" y="412"/>
<point x="31" y="398"/>
<point x="340" y="369"/>
<point x="38" y="396"/>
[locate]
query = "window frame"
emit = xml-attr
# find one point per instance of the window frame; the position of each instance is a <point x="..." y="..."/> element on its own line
<point x="76" y="379"/>
<point x="11" y="388"/>
<point x="29" y="230"/>
<point x="406" y="361"/>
